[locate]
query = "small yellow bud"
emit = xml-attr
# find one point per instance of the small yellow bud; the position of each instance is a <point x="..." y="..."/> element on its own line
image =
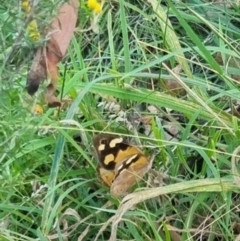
<point x="26" y="6"/>
<point x="94" y="5"/>
<point x="37" y="109"/>
<point x="98" y="8"/>
<point x="33" y="30"/>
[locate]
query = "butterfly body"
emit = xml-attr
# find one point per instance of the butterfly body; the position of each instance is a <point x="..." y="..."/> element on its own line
<point x="120" y="163"/>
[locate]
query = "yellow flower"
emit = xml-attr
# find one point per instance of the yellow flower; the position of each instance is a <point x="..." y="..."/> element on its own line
<point x="37" y="109"/>
<point x="26" y="6"/>
<point x="94" y="5"/>
<point x="33" y="30"/>
<point x="32" y="27"/>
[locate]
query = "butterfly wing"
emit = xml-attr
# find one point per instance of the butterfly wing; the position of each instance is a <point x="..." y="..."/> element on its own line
<point x="128" y="173"/>
<point x="106" y="175"/>
<point x="120" y="164"/>
<point x="112" y="149"/>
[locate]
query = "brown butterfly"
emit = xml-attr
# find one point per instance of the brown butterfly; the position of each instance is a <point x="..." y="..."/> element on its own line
<point x="121" y="164"/>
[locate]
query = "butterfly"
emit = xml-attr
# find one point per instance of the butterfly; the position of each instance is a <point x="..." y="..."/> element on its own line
<point x="121" y="164"/>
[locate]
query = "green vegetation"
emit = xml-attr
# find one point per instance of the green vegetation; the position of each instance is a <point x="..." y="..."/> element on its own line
<point x="176" y="64"/>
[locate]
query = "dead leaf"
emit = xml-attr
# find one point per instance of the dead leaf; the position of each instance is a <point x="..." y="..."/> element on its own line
<point x="173" y="87"/>
<point x="46" y="59"/>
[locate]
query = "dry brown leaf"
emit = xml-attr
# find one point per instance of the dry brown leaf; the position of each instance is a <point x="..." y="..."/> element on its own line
<point x="46" y="59"/>
<point x="173" y="87"/>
